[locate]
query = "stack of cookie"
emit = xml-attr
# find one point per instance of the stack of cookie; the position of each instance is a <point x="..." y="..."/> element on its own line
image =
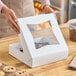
<point x="12" y="71"/>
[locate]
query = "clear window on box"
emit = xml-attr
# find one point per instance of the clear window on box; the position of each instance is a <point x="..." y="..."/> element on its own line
<point x="42" y="34"/>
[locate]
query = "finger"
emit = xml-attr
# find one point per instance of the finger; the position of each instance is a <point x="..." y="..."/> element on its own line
<point x="49" y="11"/>
<point x="13" y="15"/>
<point x="52" y="10"/>
<point x="14" y="25"/>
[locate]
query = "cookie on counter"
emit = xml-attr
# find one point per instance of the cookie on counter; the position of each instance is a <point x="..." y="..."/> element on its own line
<point x="2" y="73"/>
<point x="1" y="64"/>
<point x="9" y="70"/>
<point x="22" y="73"/>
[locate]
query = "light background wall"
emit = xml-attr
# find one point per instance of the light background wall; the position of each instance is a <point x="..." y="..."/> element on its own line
<point x="64" y="5"/>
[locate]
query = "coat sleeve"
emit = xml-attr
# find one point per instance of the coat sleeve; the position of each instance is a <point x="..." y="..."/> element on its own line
<point x="1" y="5"/>
<point x="45" y="2"/>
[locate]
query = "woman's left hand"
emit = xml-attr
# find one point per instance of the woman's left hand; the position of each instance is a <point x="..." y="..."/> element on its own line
<point x="48" y="9"/>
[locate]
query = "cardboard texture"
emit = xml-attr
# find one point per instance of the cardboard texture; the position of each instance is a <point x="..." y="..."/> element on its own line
<point x="45" y="47"/>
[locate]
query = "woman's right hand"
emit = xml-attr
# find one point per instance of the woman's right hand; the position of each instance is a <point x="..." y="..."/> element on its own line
<point x="11" y="18"/>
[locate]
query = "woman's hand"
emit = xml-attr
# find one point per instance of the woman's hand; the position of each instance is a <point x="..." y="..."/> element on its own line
<point x="11" y="17"/>
<point x="48" y="9"/>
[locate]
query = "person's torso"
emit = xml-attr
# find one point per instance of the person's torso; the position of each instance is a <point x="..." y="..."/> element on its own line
<point x="22" y="8"/>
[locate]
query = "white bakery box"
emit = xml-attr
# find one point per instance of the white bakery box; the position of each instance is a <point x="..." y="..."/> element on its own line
<point x="42" y="49"/>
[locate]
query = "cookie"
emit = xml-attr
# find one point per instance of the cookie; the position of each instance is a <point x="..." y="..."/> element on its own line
<point x="9" y="69"/>
<point x="2" y="73"/>
<point x="22" y="73"/>
<point x="0" y="64"/>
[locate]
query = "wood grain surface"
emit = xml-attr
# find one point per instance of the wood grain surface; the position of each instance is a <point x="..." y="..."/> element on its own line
<point x="59" y="68"/>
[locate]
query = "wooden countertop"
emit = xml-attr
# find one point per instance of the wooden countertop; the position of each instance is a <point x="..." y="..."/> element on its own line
<point x="59" y="68"/>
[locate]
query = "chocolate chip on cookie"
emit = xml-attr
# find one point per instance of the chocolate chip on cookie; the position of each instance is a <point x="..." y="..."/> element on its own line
<point x="9" y="69"/>
<point x="22" y="73"/>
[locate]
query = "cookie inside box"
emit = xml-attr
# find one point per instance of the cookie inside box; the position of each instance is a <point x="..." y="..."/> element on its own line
<point x="40" y="42"/>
